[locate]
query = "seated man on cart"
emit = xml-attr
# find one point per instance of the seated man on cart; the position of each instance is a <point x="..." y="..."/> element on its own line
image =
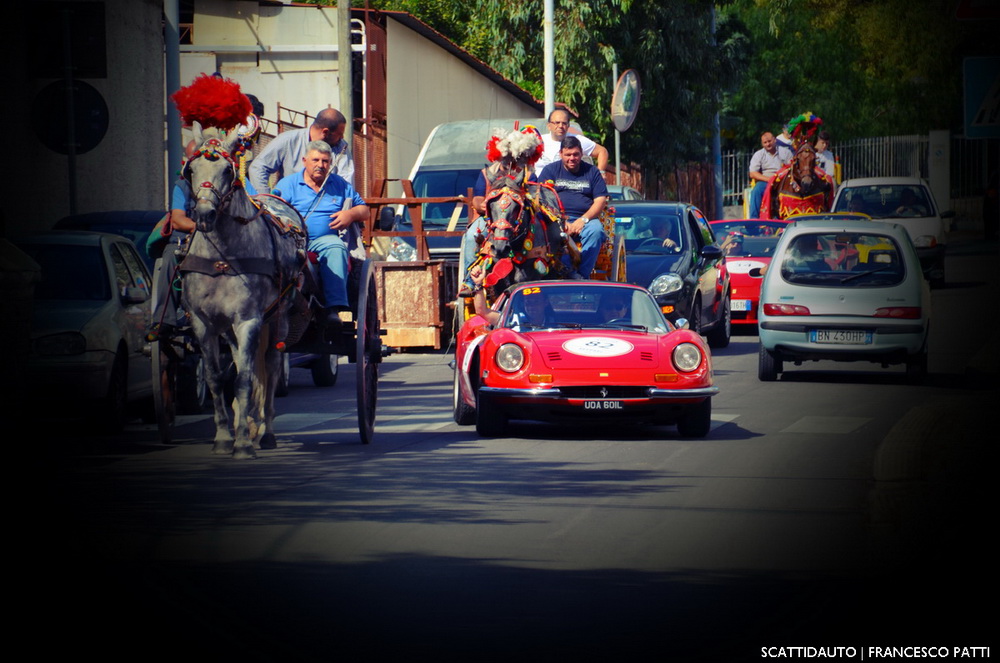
<point x="333" y="213"/>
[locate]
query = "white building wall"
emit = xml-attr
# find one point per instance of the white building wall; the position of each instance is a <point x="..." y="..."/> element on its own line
<point x="298" y="67"/>
<point x="427" y="86"/>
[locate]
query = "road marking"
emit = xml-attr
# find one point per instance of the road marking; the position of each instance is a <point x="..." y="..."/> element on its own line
<point x="827" y="425"/>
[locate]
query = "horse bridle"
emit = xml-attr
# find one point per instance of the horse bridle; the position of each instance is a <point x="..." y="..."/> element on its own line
<point x="211" y="150"/>
<point x="508" y="198"/>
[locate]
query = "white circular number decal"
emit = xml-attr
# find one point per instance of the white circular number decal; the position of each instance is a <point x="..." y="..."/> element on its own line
<point x="597" y="346"/>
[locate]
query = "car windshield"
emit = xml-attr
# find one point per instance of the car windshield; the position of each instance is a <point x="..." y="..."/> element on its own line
<point x="69" y="272"/>
<point x="857" y="260"/>
<point x="748" y="239"/>
<point x="651" y="233"/>
<point x="440" y="184"/>
<point x="886" y="201"/>
<point x="574" y="306"/>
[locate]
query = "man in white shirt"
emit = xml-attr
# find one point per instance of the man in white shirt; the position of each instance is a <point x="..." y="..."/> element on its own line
<point x="763" y="165"/>
<point x="558" y="125"/>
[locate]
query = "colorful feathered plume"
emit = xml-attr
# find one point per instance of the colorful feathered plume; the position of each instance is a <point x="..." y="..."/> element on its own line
<point x="522" y="147"/>
<point x="213" y="101"/>
<point x="803" y="128"/>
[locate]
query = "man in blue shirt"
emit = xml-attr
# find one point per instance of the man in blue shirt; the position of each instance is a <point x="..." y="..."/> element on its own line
<point x="333" y="213"/>
<point x="583" y="194"/>
<point x="283" y="155"/>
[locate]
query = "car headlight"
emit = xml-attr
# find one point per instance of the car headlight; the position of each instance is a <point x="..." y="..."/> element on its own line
<point x="510" y="357"/>
<point x="687" y="357"/>
<point x="68" y="343"/>
<point x="664" y="284"/>
<point x="925" y="242"/>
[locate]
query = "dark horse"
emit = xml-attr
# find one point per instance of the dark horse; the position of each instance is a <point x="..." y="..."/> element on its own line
<point x="238" y="276"/>
<point x="798" y="188"/>
<point x="524" y="241"/>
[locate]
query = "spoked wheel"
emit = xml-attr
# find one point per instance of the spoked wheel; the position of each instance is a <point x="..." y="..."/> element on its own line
<point x="369" y="351"/>
<point x="165" y="368"/>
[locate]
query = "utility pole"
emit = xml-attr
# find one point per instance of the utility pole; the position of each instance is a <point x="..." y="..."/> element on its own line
<point x="550" y="61"/>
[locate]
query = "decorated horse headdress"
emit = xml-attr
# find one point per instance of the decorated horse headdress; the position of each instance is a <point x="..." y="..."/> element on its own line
<point x="214" y="102"/>
<point x="521" y="148"/>
<point x="803" y="129"/>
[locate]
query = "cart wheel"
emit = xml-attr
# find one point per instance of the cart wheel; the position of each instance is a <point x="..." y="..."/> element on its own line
<point x="369" y="351"/>
<point x="164" y="387"/>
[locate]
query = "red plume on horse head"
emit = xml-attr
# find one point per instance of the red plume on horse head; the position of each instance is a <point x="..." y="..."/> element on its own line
<point x="212" y="101"/>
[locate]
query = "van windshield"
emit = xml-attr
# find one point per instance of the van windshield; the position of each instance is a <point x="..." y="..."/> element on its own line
<point x="442" y="183"/>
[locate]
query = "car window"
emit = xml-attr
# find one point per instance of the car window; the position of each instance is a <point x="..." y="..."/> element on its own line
<point x="885" y="201"/>
<point x="701" y="227"/>
<point x="75" y="273"/>
<point x="646" y="233"/>
<point x="123" y="276"/>
<point x="859" y="260"/>
<point x="748" y="239"/>
<point x="139" y="275"/>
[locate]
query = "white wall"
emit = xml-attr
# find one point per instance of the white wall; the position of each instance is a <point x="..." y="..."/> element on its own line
<point x="304" y="80"/>
<point x="427" y="86"/>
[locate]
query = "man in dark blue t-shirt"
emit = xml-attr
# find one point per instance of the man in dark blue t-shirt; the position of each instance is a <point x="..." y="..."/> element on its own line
<point x="583" y="194"/>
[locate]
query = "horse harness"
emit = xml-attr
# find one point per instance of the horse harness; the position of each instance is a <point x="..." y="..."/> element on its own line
<point x="223" y="266"/>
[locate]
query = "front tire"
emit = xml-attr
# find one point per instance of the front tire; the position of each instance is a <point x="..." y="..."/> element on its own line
<point x="489" y="423"/>
<point x="697" y="420"/>
<point x="464" y="414"/>
<point x="723" y="331"/>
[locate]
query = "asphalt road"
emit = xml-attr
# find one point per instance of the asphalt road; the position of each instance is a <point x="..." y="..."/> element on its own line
<point x="838" y="506"/>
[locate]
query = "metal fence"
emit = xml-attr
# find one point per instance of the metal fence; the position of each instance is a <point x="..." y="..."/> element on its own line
<point x="903" y="156"/>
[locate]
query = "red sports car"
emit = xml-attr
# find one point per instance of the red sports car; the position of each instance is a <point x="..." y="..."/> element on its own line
<point x="747" y="245"/>
<point x="573" y="350"/>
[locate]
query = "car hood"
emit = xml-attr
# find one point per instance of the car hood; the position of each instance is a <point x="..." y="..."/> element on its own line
<point x="595" y="348"/>
<point x="739" y="270"/>
<point x="641" y="269"/>
<point x="50" y="317"/>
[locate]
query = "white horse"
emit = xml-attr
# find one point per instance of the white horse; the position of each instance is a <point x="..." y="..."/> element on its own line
<point x="238" y="276"/>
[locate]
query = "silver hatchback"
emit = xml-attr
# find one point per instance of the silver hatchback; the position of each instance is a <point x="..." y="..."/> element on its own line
<point x="844" y="290"/>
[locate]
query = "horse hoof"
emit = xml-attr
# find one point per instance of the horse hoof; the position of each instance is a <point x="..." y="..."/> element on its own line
<point x="268" y="441"/>
<point x="223" y="448"/>
<point x="244" y="454"/>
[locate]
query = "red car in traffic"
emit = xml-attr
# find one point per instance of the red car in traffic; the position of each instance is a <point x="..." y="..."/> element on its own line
<point x="747" y="245"/>
<point x="579" y="351"/>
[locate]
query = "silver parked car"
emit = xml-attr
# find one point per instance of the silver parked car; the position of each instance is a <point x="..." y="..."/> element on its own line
<point x="91" y="313"/>
<point x="909" y="202"/>
<point x="844" y="290"/>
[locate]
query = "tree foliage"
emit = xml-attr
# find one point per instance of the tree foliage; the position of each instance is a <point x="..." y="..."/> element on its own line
<point x="867" y="67"/>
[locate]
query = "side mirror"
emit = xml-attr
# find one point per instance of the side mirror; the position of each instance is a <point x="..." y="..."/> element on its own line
<point x="386" y="218"/>
<point x="681" y="323"/>
<point x="711" y="252"/>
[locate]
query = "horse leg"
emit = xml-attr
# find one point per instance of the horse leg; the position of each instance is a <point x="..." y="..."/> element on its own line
<point x="247" y="334"/>
<point x="270" y="366"/>
<point x="215" y="378"/>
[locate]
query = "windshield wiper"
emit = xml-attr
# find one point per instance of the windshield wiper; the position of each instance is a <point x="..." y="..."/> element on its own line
<point x="624" y="324"/>
<point x="884" y="268"/>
